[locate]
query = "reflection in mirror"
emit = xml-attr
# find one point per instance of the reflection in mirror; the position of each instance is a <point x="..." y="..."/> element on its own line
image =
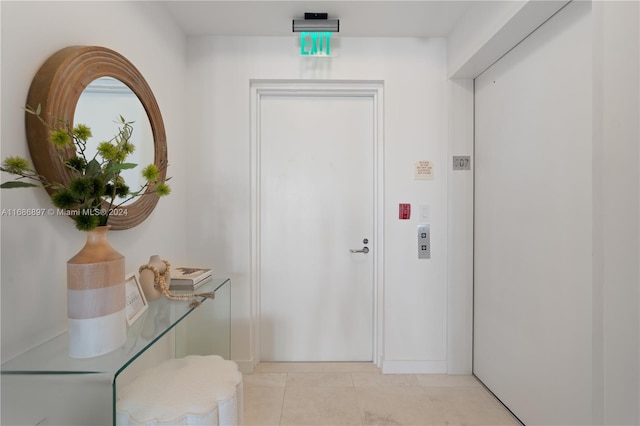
<point x="100" y="105"/>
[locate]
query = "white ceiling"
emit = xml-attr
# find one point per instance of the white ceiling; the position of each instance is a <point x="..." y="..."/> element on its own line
<point x="382" y="18"/>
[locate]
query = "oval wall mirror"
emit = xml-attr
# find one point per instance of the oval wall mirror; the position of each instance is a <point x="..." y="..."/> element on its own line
<point x="58" y="87"/>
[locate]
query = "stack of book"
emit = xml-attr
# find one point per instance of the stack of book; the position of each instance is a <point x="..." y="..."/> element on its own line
<point x="184" y="278"/>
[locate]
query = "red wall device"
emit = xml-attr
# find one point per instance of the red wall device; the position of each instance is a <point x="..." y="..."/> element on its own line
<point x="404" y="211"/>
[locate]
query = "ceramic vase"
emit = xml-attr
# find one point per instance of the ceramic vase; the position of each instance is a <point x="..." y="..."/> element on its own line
<point x="147" y="278"/>
<point x="96" y="297"/>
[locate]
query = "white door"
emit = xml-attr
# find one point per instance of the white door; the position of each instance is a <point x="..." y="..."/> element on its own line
<point x="316" y="166"/>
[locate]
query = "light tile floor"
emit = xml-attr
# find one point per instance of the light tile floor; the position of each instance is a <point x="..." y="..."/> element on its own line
<point x="336" y="394"/>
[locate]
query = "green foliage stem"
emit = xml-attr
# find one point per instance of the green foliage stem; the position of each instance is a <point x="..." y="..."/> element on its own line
<point x="94" y="180"/>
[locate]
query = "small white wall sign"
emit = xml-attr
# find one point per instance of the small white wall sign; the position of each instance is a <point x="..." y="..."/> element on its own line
<point x="424" y="170"/>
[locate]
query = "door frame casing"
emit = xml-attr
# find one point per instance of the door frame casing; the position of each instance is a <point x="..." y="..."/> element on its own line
<point x="320" y="88"/>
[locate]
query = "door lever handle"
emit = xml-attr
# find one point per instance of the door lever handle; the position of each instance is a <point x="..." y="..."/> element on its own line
<point x="364" y="250"/>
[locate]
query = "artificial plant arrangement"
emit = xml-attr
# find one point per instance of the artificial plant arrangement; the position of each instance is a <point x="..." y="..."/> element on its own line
<point x="92" y="179"/>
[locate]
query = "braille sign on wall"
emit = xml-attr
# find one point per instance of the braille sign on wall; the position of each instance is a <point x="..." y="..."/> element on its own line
<point x="461" y="162"/>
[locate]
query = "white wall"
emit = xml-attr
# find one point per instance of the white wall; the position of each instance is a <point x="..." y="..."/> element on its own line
<point x="616" y="133"/>
<point x="415" y="75"/>
<point x="532" y="281"/>
<point x="489" y="29"/>
<point x="460" y="232"/>
<point x="415" y="90"/>
<point x="485" y="32"/>
<point x="604" y="376"/>
<point x="34" y="251"/>
<point x="476" y="27"/>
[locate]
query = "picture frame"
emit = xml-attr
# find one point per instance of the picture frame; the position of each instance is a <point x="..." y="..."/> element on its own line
<point x="136" y="302"/>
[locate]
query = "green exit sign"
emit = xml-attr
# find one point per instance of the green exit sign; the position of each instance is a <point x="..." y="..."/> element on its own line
<point x="315" y="44"/>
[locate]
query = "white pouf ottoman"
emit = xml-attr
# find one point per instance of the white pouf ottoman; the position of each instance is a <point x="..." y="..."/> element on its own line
<point x="194" y="390"/>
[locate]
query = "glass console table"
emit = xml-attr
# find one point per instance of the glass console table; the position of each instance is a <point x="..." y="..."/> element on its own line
<point x="44" y="386"/>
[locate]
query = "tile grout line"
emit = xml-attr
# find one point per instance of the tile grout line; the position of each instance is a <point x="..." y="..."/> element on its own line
<point x="284" y="395"/>
<point x="355" y="393"/>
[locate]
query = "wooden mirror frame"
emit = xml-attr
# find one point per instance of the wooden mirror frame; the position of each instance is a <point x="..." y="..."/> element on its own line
<point x="57" y="87"/>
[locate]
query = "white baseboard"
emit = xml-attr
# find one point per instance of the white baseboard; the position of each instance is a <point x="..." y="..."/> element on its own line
<point x="245" y="366"/>
<point x="414" y="367"/>
<point x="388" y="367"/>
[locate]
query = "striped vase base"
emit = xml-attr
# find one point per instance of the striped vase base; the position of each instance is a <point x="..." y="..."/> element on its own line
<point x="96" y="298"/>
